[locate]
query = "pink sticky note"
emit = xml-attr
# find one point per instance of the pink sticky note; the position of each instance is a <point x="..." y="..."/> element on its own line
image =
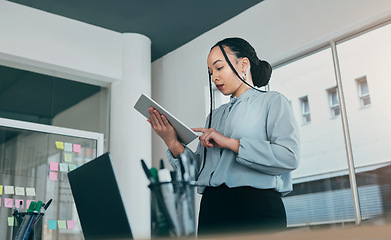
<point x="54" y="166"/>
<point x="8" y="202"/>
<point x="19" y="203"/>
<point x="77" y="148"/>
<point x="0" y="201"/>
<point x="70" y="224"/>
<point x="53" y="176"/>
<point x="28" y="202"/>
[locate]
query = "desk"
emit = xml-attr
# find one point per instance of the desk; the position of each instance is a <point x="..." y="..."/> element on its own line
<point x="352" y="232"/>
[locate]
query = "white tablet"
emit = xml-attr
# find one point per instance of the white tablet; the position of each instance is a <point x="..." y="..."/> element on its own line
<point x="185" y="134"/>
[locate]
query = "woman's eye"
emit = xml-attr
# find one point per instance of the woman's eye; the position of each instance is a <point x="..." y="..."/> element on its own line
<point x="219" y="68"/>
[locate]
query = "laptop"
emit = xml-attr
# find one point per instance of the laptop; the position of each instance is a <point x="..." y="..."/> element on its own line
<point x="98" y="200"/>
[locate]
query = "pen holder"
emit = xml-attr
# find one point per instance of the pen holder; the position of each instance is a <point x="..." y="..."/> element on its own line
<point x="173" y="209"/>
<point x="20" y="228"/>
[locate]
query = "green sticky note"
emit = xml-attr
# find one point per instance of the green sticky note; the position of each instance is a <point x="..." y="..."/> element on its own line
<point x="1" y="189"/>
<point x="62" y="224"/>
<point x="10" y="221"/>
<point x="71" y="167"/>
<point x="68" y="157"/>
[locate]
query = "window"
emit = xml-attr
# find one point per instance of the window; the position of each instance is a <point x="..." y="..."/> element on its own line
<point x="363" y="92"/>
<point x="334" y="101"/>
<point x="305" y="109"/>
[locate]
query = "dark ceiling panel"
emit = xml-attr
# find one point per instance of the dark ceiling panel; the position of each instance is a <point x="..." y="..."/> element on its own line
<point x="169" y="23"/>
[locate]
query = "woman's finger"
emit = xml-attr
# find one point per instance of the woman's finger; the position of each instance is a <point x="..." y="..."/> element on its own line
<point x="165" y="121"/>
<point x="158" y="117"/>
<point x="154" y="121"/>
<point x="200" y="129"/>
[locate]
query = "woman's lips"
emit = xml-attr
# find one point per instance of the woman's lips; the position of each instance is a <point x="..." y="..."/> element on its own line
<point x="219" y="86"/>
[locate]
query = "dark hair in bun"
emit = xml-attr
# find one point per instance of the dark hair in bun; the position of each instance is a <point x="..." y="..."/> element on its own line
<point x="261" y="70"/>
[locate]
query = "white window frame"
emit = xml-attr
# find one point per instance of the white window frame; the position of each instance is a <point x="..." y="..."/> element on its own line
<point x="333" y="107"/>
<point x="305" y="114"/>
<point x="362" y="97"/>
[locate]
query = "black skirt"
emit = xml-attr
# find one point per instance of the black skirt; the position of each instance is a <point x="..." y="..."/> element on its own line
<point x="241" y="209"/>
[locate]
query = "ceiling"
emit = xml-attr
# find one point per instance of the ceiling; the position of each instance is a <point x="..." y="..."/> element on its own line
<point x="169" y="24"/>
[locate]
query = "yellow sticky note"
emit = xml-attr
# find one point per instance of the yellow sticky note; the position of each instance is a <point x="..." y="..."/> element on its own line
<point x="1" y="189"/>
<point x="10" y="221"/>
<point x="68" y="157"/>
<point x="62" y="224"/>
<point x="59" y="145"/>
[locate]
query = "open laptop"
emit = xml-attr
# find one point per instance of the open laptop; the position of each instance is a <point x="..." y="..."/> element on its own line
<point x="98" y="200"/>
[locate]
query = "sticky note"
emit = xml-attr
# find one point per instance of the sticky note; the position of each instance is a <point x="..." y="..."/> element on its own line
<point x="63" y="167"/>
<point x="68" y="157"/>
<point x="72" y="167"/>
<point x="53" y="176"/>
<point x="62" y="224"/>
<point x="59" y="145"/>
<point x="28" y="202"/>
<point x="10" y="221"/>
<point x="8" y="202"/>
<point x="1" y="189"/>
<point x="52" y="224"/>
<point x="19" y="203"/>
<point x="77" y="148"/>
<point x="19" y="191"/>
<point x="30" y="191"/>
<point x="53" y="166"/>
<point x="68" y="147"/>
<point x="9" y="190"/>
<point x="70" y="224"/>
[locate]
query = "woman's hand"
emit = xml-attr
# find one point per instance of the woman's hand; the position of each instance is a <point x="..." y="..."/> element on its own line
<point x="161" y="126"/>
<point x="212" y="138"/>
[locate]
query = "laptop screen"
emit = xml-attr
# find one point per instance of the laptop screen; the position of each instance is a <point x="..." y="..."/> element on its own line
<point x="98" y="200"/>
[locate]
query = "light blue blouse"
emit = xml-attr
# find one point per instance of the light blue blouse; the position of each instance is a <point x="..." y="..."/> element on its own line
<point x="269" y="150"/>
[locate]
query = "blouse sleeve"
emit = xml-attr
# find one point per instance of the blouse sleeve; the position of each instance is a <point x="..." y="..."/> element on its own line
<point x="280" y="153"/>
<point x="195" y="156"/>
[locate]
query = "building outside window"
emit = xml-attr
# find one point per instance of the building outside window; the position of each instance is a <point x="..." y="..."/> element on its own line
<point x="363" y="92"/>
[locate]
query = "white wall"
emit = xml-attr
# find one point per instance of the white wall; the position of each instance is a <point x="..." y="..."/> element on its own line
<point x="278" y="30"/>
<point x="50" y="44"/>
<point x="41" y="42"/>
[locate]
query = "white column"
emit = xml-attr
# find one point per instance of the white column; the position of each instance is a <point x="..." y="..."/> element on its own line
<point x="130" y="133"/>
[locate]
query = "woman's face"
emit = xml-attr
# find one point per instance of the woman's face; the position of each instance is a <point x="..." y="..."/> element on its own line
<point x="221" y="73"/>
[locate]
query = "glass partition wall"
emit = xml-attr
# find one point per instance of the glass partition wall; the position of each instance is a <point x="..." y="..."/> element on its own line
<point x="34" y="162"/>
<point x="322" y="193"/>
<point x="365" y="66"/>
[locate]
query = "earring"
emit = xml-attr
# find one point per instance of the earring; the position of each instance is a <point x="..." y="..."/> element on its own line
<point x="244" y="76"/>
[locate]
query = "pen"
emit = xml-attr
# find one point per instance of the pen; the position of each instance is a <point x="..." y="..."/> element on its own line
<point x="158" y="194"/>
<point x="25" y="221"/>
<point x="161" y="164"/>
<point x="45" y="207"/>
<point x="147" y="171"/>
<point x="29" y="226"/>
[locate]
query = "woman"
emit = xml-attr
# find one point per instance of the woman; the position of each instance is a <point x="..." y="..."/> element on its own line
<point x="248" y="149"/>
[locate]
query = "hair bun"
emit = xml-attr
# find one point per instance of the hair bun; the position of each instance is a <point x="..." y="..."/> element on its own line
<point x="262" y="73"/>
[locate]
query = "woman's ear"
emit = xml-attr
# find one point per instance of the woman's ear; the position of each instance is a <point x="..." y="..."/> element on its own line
<point x="245" y="64"/>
